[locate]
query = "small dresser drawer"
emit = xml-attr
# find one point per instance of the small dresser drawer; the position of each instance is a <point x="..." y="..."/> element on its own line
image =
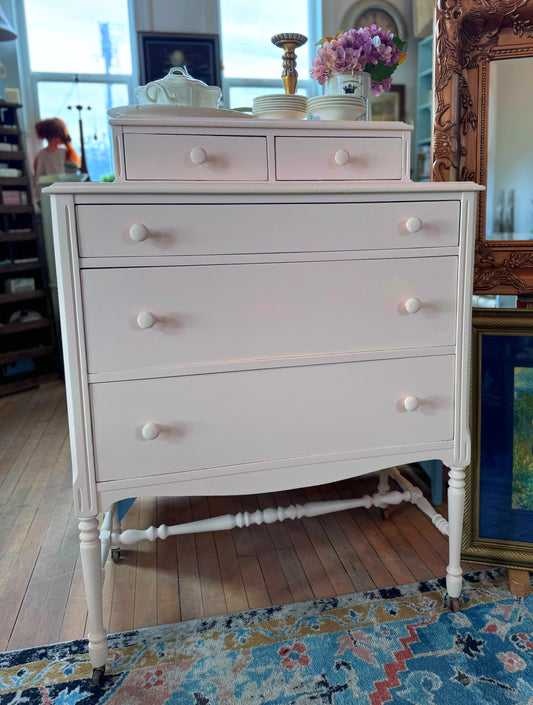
<point x="155" y="231"/>
<point x="153" y="427"/>
<point x="195" y="158"/>
<point x="190" y="317"/>
<point x="338" y="158"/>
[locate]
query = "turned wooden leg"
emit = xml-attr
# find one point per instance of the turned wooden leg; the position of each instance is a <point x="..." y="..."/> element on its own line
<point x="90" y="554"/>
<point x="456" y="500"/>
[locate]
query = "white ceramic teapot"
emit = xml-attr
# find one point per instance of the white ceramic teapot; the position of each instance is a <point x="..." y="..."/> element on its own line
<point x="178" y="88"/>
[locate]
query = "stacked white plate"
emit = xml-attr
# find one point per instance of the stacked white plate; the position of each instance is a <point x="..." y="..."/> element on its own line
<point x="337" y="107"/>
<point x="280" y="106"/>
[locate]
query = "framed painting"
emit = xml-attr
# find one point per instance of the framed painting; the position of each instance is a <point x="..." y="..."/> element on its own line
<point x="199" y="53"/>
<point x="390" y="105"/>
<point x="498" y="526"/>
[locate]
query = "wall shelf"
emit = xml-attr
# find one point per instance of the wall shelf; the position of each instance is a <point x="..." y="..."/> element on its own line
<point x="29" y="351"/>
<point x="424" y="109"/>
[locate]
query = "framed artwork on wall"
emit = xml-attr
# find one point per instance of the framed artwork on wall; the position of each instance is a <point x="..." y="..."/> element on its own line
<point x="390" y="105"/>
<point x="199" y="53"/>
<point x="498" y="525"/>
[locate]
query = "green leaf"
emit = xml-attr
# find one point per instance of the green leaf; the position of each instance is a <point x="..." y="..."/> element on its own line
<point x="379" y="71"/>
<point x="400" y="44"/>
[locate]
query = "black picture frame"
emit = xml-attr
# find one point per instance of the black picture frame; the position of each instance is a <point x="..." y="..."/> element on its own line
<point x="159" y="52"/>
<point x="498" y="526"/>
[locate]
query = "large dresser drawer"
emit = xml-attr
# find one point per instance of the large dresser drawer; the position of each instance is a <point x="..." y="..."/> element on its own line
<point x="235" y="418"/>
<point x="338" y="158"/>
<point x="195" y="157"/>
<point x="196" y="315"/>
<point x="160" y="230"/>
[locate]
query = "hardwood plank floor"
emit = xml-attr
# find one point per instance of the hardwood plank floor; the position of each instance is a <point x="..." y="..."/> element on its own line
<point x="41" y="587"/>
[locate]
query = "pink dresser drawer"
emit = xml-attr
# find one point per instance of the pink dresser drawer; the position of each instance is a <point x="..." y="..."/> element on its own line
<point x="338" y="158"/>
<point x="195" y="157"/>
<point x="170" y="317"/>
<point x="160" y="230"/>
<point x="235" y="418"/>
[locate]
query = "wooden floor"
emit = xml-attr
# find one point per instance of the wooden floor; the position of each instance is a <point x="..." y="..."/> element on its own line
<point x="41" y="590"/>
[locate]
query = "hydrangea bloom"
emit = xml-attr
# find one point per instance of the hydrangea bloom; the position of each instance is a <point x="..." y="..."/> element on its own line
<point x="370" y="49"/>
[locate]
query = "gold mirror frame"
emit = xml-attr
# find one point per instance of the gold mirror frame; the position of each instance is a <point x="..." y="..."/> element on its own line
<point x="469" y="35"/>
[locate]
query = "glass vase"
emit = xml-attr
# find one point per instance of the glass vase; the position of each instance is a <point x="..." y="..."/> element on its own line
<point x="358" y="84"/>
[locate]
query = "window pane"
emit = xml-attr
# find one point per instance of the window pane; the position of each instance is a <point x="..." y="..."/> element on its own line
<point x="247" y="27"/>
<point x="78" y="36"/>
<point x="54" y="101"/>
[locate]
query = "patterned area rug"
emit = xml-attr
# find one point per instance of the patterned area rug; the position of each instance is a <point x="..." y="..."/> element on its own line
<point x="399" y="645"/>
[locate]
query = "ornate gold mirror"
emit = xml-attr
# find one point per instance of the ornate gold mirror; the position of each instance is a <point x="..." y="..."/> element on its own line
<point x="483" y="129"/>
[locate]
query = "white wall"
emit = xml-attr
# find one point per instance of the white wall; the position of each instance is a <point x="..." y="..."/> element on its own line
<point x="187" y="16"/>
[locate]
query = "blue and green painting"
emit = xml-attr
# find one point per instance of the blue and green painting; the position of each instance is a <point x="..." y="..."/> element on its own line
<point x="522" y="493"/>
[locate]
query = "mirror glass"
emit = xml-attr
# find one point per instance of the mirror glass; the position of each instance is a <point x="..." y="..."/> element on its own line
<point x="510" y="151"/>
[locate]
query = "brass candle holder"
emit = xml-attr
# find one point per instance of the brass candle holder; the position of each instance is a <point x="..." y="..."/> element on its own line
<point x="288" y="42"/>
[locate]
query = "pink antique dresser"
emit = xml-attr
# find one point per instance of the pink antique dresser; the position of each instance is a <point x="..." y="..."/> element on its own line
<point x="257" y="305"/>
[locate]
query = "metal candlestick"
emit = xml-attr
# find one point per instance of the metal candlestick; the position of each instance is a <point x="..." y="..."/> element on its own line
<point x="288" y="42"/>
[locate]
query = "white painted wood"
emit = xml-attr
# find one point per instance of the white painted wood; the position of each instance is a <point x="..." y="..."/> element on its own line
<point x="413" y="305"/>
<point x="225" y="333"/>
<point x="155" y="317"/>
<point x="456" y="497"/>
<point x="413" y="224"/>
<point x="170" y="157"/>
<point x="263" y="516"/>
<point x="411" y="403"/>
<point x="233" y="228"/>
<point x="90" y="555"/>
<point x="361" y="158"/>
<point x="220" y="420"/>
<point x="138" y="232"/>
<point x="274" y="475"/>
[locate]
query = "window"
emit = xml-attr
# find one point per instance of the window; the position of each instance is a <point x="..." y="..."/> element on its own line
<point x="79" y="54"/>
<point x="251" y="63"/>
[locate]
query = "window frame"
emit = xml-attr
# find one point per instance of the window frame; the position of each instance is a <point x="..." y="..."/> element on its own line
<point x="29" y="79"/>
<point x="314" y="13"/>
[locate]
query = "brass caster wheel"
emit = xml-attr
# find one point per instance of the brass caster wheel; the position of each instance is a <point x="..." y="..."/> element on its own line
<point x="115" y="555"/>
<point x="385" y="514"/>
<point x="454" y="604"/>
<point x="98" y="675"/>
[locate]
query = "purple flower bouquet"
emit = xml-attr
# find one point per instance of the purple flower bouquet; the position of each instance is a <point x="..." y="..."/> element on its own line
<point x="369" y="49"/>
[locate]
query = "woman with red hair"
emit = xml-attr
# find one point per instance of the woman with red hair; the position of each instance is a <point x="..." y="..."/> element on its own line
<point x="59" y="150"/>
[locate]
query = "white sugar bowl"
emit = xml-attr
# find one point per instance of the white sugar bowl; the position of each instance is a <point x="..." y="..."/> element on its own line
<point x="179" y="88"/>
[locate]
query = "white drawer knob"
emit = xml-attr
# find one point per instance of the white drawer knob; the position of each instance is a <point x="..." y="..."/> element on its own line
<point x="145" y="319"/>
<point x="139" y="232"/>
<point x="197" y="155"/>
<point x="413" y="305"/>
<point x="411" y="403"/>
<point x="413" y="224"/>
<point x="150" y="431"/>
<point x="342" y="156"/>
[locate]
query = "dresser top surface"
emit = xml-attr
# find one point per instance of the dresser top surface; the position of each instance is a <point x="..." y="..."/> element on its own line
<point x="147" y="116"/>
<point x="235" y="187"/>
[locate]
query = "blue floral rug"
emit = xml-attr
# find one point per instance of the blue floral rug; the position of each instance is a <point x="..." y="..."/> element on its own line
<point x="399" y="645"/>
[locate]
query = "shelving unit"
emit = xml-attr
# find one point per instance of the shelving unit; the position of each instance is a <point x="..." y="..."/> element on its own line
<point x="28" y="350"/>
<point x="424" y="109"/>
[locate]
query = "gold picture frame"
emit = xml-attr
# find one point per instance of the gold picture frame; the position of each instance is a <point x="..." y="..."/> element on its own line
<point x="469" y="36"/>
<point x="498" y="513"/>
<point x="390" y="105"/>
